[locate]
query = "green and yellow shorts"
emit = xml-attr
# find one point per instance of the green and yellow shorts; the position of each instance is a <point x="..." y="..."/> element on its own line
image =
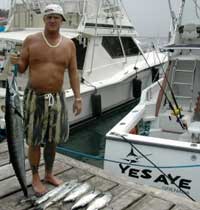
<point x="45" y="118"/>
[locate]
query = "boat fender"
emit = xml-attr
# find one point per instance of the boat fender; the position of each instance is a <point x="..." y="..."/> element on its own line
<point x="96" y="105"/>
<point x="155" y="74"/>
<point x="137" y="87"/>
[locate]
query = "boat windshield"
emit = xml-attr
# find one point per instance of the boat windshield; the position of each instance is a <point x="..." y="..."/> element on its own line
<point x="191" y="12"/>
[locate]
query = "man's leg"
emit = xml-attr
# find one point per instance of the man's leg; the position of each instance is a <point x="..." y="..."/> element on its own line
<point x="49" y="157"/>
<point x="34" y="159"/>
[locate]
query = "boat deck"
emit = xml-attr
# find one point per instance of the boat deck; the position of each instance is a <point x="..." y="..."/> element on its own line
<point x="126" y="195"/>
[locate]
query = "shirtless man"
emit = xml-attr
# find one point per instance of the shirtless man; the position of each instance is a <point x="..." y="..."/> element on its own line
<point x="47" y="55"/>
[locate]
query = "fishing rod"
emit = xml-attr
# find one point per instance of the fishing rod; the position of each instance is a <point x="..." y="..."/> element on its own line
<point x="170" y="88"/>
<point x="150" y="161"/>
<point x="183" y="126"/>
<point x="177" y="115"/>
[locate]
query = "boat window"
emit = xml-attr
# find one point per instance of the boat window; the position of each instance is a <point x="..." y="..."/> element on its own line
<point x="81" y="47"/>
<point x="113" y="47"/>
<point x="129" y="46"/>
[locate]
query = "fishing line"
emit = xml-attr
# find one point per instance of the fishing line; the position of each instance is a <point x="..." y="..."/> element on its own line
<point x="154" y="80"/>
<point x="170" y="88"/>
<point x="170" y="104"/>
<point x="132" y="145"/>
<point x="161" y="171"/>
<point x="183" y="126"/>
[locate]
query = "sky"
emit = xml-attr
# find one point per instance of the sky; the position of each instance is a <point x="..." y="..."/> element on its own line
<point x="149" y="17"/>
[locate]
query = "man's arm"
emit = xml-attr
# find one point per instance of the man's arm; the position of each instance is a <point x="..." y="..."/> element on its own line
<point x="23" y="59"/>
<point x="74" y="80"/>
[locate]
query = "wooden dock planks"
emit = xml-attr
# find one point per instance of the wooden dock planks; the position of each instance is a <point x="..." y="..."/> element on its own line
<point x="126" y="195"/>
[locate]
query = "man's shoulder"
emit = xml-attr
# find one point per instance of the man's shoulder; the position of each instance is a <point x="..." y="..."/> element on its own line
<point x="68" y="41"/>
<point x="33" y="36"/>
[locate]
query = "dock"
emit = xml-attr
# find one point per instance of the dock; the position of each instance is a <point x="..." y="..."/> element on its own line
<point x="126" y="195"/>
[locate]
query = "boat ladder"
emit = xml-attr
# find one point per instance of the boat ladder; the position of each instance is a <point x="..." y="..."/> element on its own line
<point x="182" y="81"/>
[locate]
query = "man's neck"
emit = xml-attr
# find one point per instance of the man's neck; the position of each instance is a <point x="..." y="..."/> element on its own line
<point x="51" y="34"/>
<point x="53" y="40"/>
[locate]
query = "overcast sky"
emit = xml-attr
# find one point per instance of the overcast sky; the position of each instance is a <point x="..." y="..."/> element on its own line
<point x="150" y="17"/>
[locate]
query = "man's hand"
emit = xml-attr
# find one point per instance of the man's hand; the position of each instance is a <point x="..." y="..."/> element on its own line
<point x="77" y="106"/>
<point x="14" y="58"/>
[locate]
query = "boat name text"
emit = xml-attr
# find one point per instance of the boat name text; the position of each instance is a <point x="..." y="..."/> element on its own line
<point x="147" y="174"/>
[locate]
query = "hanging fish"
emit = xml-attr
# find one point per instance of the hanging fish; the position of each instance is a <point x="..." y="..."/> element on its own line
<point x="15" y="132"/>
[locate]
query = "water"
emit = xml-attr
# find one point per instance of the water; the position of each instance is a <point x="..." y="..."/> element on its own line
<point x="89" y="141"/>
<point x="147" y="42"/>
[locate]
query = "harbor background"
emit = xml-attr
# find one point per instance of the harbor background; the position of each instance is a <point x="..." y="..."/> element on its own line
<point x="87" y="143"/>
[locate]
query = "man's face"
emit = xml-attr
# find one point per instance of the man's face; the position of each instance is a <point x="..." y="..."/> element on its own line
<point x="53" y="22"/>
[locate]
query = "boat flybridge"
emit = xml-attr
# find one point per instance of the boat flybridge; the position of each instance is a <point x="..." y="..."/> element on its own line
<point x="158" y="141"/>
<point x="112" y="66"/>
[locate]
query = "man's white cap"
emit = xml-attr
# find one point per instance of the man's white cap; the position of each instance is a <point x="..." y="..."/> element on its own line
<point x="54" y="9"/>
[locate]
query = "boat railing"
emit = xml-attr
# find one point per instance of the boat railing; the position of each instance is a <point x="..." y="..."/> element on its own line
<point x="79" y="14"/>
<point x="150" y="93"/>
<point x="149" y="98"/>
<point x="28" y="13"/>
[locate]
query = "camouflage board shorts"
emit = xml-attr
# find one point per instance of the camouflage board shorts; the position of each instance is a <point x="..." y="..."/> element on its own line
<point x="45" y="118"/>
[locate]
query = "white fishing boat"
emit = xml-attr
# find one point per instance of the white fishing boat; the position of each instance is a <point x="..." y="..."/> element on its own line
<point x="112" y="66"/>
<point x="158" y="142"/>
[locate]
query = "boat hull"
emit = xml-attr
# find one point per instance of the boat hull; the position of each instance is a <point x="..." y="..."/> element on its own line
<point x="112" y="95"/>
<point x="134" y="159"/>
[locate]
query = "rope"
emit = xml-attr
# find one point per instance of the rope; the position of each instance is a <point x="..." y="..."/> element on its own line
<point x="98" y="158"/>
<point x="119" y="162"/>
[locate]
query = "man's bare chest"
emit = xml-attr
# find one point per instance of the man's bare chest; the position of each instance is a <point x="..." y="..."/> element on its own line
<point x="44" y="54"/>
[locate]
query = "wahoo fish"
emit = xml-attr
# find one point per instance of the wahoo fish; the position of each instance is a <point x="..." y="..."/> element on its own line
<point x="85" y="199"/>
<point x="51" y="194"/>
<point x="61" y="194"/>
<point x="78" y="191"/>
<point x="15" y="132"/>
<point x="100" y="201"/>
